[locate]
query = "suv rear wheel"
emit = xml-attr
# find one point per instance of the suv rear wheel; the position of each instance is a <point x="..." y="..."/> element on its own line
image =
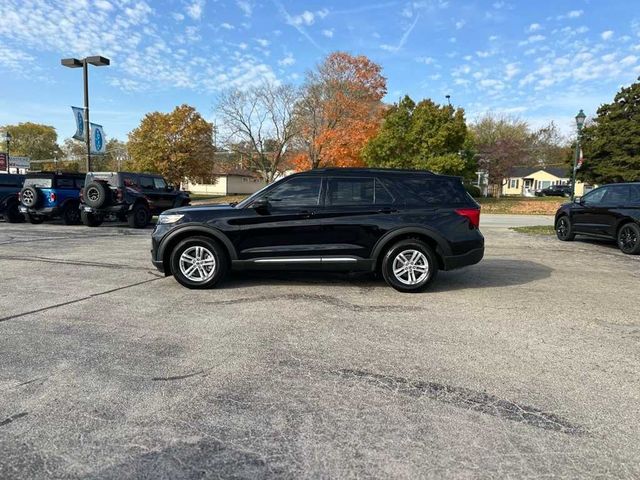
<point x="140" y="216"/>
<point x="629" y="239"/>
<point x="409" y="266"/>
<point x="12" y="214"/>
<point x="199" y="262"/>
<point x="34" y="219"/>
<point x="71" y="214"/>
<point x="90" y="220"/>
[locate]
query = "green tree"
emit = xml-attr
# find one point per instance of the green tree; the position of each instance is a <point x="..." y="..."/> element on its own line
<point x="423" y="135"/>
<point x="611" y="141"/>
<point x="33" y="140"/>
<point x="178" y="144"/>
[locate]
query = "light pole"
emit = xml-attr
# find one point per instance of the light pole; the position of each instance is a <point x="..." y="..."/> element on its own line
<point x="7" y="139"/>
<point x="96" y="61"/>
<point x="580" y="118"/>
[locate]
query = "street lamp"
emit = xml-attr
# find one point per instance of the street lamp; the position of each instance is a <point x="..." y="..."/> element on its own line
<point x="7" y="139"/>
<point x="580" y="118"/>
<point x="96" y="61"/>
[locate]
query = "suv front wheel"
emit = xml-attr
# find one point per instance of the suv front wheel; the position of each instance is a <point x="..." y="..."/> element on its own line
<point x="409" y="266"/>
<point x="198" y="262"/>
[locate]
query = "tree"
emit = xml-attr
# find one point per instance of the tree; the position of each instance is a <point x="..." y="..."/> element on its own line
<point x="611" y="141"/>
<point x="178" y="145"/>
<point x="339" y="111"/>
<point x="501" y="143"/>
<point x="424" y="136"/>
<point x="34" y="140"/>
<point x="549" y="147"/>
<point x="258" y="125"/>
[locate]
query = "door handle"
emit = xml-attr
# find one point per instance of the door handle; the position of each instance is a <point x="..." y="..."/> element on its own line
<point x="307" y="212"/>
<point x="387" y="210"/>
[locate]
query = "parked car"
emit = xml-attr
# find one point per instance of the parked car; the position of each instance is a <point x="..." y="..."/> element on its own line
<point x="610" y="211"/>
<point x="10" y="186"/>
<point x="555" y="191"/>
<point x="46" y="195"/>
<point x="131" y="197"/>
<point x="405" y="224"/>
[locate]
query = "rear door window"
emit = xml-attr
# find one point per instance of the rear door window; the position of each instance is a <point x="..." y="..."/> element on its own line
<point x="65" y="182"/>
<point x="38" y="182"/>
<point x="159" y="184"/>
<point x="432" y="191"/>
<point x="146" y="183"/>
<point x="357" y="191"/>
<point x="618" y="195"/>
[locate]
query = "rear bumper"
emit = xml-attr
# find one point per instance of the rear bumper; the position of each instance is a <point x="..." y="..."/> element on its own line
<point x="458" y="261"/>
<point x="48" y="211"/>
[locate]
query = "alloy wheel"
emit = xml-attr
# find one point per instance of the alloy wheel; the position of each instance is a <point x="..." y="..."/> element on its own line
<point x="198" y="264"/>
<point x="27" y="198"/>
<point x="563" y="227"/>
<point x="410" y="267"/>
<point x="628" y="239"/>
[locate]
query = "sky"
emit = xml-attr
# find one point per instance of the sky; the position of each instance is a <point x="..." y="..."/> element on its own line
<point x="539" y="60"/>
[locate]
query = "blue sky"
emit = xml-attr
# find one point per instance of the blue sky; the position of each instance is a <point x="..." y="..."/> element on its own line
<point x="540" y="60"/>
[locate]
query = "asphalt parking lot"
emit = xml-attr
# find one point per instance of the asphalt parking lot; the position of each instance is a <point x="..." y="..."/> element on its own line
<point x="523" y="366"/>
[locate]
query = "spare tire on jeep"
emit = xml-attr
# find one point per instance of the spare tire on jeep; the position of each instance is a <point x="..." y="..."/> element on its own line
<point x="30" y="196"/>
<point x="97" y="194"/>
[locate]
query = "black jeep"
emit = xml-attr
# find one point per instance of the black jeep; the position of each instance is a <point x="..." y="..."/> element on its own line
<point x="10" y="186"/>
<point x="131" y="197"/>
<point x="46" y="195"/>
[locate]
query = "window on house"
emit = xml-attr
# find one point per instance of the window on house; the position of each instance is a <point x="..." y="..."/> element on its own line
<point x="514" y="183"/>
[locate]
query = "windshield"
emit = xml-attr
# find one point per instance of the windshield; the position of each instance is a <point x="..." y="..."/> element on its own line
<point x="259" y="193"/>
<point x="38" y="182"/>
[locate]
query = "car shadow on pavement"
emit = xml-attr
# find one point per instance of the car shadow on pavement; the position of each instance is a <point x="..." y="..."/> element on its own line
<point x="491" y="272"/>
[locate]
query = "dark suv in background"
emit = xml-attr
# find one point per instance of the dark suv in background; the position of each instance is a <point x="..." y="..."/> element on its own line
<point x="10" y="186"/>
<point x="405" y="224"/>
<point x="555" y="191"/>
<point x="46" y="195"/>
<point x="131" y="197"/>
<point x="611" y="212"/>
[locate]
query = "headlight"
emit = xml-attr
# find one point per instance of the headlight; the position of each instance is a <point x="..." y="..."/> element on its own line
<point x="164" y="219"/>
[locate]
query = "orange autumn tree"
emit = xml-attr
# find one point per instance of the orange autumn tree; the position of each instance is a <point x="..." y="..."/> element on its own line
<point x="340" y="110"/>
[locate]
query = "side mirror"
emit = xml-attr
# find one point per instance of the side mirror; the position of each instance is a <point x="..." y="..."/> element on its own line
<point x="170" y="188"/>
<point x="578" y="200"/>
<point x="261" y="205"/>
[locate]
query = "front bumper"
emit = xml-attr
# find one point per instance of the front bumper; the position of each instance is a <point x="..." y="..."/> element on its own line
<point x="110" y="210"/>
<point x="458" y="261"/>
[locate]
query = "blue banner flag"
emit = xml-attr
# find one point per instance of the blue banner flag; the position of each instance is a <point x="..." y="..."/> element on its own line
<point x="98" y="143"/>
<point x="78" y="114"/>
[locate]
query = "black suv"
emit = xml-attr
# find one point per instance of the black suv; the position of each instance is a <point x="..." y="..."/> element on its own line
<point x="555" y="191"/>
<point x="10" y="186"/>
<point x="611" y="211"/>
<point x="405" y="224"/>
<point x="46" y="195"/>
<point x="131" y="197"/>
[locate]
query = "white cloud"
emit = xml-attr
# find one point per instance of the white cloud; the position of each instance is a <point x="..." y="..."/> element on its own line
<point x="403" y="39"/>
<point x="287" y="61"/>
<point x="328" y="32"/>
<point x="263" y="42"/>
<point x="194" y="10"/>
<point x="227" y="26"/>
<point x="607" y="35"/>
<point x="628" y="60"/>
<point x="13" y="59"/>
<point x="511" y="70"/>
<point x="536" y="38"/>
<point x="305" y="18"/>
<point x="575" y="13"/>
<point x="178" y="17"/>
<point x="483" y="54"/>
<point x="426" y="60"/>
<point x="245" y="6"/>
<point x="103" y="5"/>
<point x="460" y="24"/>
<point x="534" y="27"/>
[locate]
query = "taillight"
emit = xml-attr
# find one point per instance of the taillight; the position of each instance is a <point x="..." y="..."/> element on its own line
<point x="473" y="214"/>
<point x="52" y="197"/>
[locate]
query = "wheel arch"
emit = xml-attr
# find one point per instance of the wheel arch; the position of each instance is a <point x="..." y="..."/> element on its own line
<point x="431" y="238"/>
<point x="171" y="240"/>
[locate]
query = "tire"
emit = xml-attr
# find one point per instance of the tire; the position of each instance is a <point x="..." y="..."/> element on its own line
<point x="34" y="219"/>
<point x="564" y="229"/>
<point x="91" y="220"/>
<point x="415" y="253"/>
<point x="12" y="214"/>
<point x="97" y="194"/>
<point x="140" y="216"/>
<point x="629" y="239"/>
<point x="210" y="252"/>
<point x="71" y="214"/>
<point x="30" y="197"/>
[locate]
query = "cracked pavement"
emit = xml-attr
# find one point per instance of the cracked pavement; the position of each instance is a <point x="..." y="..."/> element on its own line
<point x="523" y="366"/>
